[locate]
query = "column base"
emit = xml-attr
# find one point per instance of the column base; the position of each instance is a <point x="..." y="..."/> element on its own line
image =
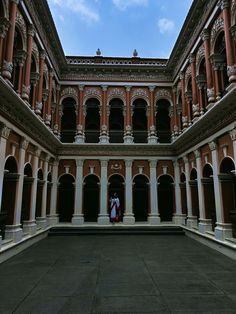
<point x="79" y="139"/>
<point x="154" y="219"/>
<point x="30" y="227"/>
<point x="41" y="222"/>
<point x="128" y="139"/>
<point x="152" y="139"/>
<point x="205" y="225"/>
<point x="52" y="220"/>
<point x="104" y="139"/>
<point x="14" y="232"/>
<point x="128" y="219"/>
<point x="179" y="219"/>
<point x="78" y="220"/>
<point x="192" y="222"/>
<point x="103" y="220"/>
<point x="223" y="231"/>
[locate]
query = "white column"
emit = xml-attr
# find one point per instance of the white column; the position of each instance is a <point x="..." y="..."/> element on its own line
<point x="204" y="224"/>
<point x="4" y="134"/>
<point x="191" y="220"/>
<point x="15" y="231"/>
<point x="42" y="221"/>
<point x="30" y="225"/>
<point x="53" y="217"/>
<point x="103" y="217"/>
<point x="128" y="218"/>
<point x="154" y="217"/>
<point x="78" y="217"/>
<point x="178" y="218"/>
<point x="222" y="230"/>
<point x="233" y="137"/>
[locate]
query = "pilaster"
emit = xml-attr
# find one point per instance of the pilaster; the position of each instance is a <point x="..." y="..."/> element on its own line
<point x="128" y="218"/>
<point x="154" y="217"/>
<point x="78" y="217"/>
<point x="103" y="218"/>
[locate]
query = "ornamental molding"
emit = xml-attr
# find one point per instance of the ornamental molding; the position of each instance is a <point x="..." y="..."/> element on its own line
<point x="163" y="94"/>
<point x="217" y="27"/>
<point x="139" y="93"/>
<point x="69" y="92"/>
<point x="92" y="92"/>
<point x="116" y="93"/>
<point x="233" y="12"/>
<point x="200" y="56"/>
<point x="188" y="76"/>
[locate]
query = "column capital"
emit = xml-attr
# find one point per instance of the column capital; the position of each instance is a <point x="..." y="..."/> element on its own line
<point x="185" y="159"/>
<point x="233" y="134"/>
<point x="153" y="163"/>
<point x="152" y="88"/>
<point x="174" y="89"/>
<point x="212" y="145"/>
<point x="104" y="88"/>
<point x="42" y="54"/>
<point x="197" y="153"/>
<point x="4" y="26"/>
<point x="104" y="163"/>
<point x="37" y="151"/>
<point x="205" y="34"/>
<point x="181" y="75"/>
<point x="81" y="88"/>
<point x="128" y="163"/>
<point x="47" y="158"/>
<point x="128" y="88"/>
<point x="4" y="131"/>
<point x="192" y="58"/>
<point x="24" y="143"/>
<point x="79" y="162"/>
<point x="223" y="4"/>
<point x="15" y="1"/>
<point x="31" y="30"/>
<point x="58" y="88"/>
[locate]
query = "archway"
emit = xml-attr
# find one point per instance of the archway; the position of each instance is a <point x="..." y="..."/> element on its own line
<point x="228" y="189"/>
<point x="140" y="198"/>
<point x="68" y="120"/>
<point x="49" y="191"/>
<point x="66" y="198"/>
<point x="19" y="57"/>
<point x="92" y="121"/>
<point x="91" y="198"/>
<point x="220" y="62"/>
<point x="194" y="193"/>
<point x="140" y="121"/>
<point x="165" y="197"/>
<point x="10" y="181"/>
<point x="39" y="197"/>
<point x="183" y="194"/>
<point x="116" y="121"/>
<point x="163" y="121"/>
<point x="209" y="194"/>
<point x="116" y="184"/>
<point x="26" y="195"/>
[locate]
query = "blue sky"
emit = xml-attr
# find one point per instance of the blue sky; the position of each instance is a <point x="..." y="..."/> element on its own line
<point x="118" y="27"/>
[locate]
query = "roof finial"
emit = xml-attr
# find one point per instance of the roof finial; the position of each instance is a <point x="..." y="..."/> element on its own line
<point x="135" y="53"/>
<point x="98" y="52"/>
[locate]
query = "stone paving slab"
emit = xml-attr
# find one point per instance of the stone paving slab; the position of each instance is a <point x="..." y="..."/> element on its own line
<point x="118" y="274"/>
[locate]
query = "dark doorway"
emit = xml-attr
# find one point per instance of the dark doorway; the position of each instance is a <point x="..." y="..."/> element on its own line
<point x="49" y="192"/>
<point x="140" y="198"/>
<point x="40" y="183"/>
<point x="163" y="121"/>
<point x="68" y="120"/>
<point x="92" y="121"/>
<point x="165" y="197"/>
<point x="26" y="196"/>
<point x="194" y="193"/>
<point x="116" y="121"/>
<point x="183" y="194"/>
<point x="66" y="198"/>
<point x="116" y="184"/>
<point x="91" y="198"/>
<point x="140" y="121"/>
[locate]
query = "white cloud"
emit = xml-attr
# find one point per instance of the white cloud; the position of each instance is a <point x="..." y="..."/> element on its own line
<point x="166" y="26"/>
<point x="79" y="6"/>
<point x="123" y="4"/>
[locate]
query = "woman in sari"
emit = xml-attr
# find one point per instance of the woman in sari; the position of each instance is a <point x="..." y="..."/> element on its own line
<point x="114" y="208"/>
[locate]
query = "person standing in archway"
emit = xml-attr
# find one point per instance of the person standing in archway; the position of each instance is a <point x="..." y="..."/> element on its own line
<point x="114" y="208"/>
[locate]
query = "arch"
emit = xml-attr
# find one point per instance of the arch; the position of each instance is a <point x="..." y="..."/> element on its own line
<point x="209" y="194"/>
<point x="49" y="192"/>
<point x="163" y="121"/>
<point x="39" y="195"/>
<point x="139" y="120"/>
<point x="140" y="197"/>
<point x="92" y="121"/>
<point x="91" y="198"/>
<point x="40" y="174"/>
<point x="183" y="193"/>
<point x="26" y="194"/>
<point x="165" y="197"/>
<point x="10" y="181"/>
<point x="194" y="193"/>
<point x="68" y="120"/>
<point x="116" y="185"/>
<point x="116" y="120"/>
<point x="218" y="27"/>
<point x="3" y="9"/>
<point x="66" y="198"/>
<point x="227" y="180"/>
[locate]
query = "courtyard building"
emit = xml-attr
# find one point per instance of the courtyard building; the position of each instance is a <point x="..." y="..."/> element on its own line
<point x="159" y="132"/>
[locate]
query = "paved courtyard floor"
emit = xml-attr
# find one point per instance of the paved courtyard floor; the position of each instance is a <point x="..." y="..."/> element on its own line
<point x="118" y="274"/>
